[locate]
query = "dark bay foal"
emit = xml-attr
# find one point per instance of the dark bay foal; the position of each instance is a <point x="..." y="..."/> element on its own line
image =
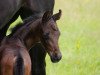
<point x="42" y="30"/>
<point x="14" y="58"/>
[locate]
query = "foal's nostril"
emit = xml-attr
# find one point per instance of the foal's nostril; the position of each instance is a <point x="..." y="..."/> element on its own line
<point x="59" y="57"/>
<point x="56" y="58"/>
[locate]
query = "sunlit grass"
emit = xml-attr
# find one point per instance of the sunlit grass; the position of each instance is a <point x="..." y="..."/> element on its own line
<point x="80" y="38"/>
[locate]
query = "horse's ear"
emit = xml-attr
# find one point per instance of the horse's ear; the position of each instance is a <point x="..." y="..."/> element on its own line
<point x="47" y="16"/>
<point x="57" y="15"/>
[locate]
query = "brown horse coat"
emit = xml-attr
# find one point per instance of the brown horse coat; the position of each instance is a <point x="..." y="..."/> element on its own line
<point x="14" y="58"/>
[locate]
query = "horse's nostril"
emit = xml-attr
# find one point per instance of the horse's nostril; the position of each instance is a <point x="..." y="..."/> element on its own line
<point x="56" y="58"/>
<point x="59" y="57"/>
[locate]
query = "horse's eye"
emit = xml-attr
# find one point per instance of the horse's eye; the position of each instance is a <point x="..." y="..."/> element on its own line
<point x="46" y="36"/>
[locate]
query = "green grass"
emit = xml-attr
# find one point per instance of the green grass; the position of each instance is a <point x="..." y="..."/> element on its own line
<point x="80" y="38"/>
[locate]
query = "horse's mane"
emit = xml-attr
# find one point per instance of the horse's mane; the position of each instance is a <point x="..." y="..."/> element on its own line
<point x="26" y="21"/>
<point x="18" y="26"/>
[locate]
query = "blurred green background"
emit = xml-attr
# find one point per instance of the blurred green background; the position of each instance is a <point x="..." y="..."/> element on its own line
<point x="80" y="38"/>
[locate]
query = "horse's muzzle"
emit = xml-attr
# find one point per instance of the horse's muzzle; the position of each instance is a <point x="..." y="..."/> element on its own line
<point x="56" y="57"/>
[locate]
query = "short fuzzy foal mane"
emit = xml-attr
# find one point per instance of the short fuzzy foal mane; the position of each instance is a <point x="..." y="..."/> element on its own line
<point x="26" y="21"/>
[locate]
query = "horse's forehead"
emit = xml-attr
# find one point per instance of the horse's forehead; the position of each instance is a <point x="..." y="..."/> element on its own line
<point x="52" y="22"/>
<point x="54" y="25"/>
<point x="51" y="25"/>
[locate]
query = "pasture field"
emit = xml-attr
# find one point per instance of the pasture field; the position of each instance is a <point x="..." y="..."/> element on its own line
<point x="80" y="38"/>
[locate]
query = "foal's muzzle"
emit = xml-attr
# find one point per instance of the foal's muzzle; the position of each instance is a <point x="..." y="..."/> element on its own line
<point x="56" y="57"/>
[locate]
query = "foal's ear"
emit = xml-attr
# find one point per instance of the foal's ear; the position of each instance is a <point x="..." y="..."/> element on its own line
<point x="57" y="15"/>
<point x="47" y="16"/>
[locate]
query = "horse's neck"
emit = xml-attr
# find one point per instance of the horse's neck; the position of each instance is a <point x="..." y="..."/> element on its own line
<point x="33" y="37"/>
<point x="29" y="34"/>
<point x="31" y="40"/>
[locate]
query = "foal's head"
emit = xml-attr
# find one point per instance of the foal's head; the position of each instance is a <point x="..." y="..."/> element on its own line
<point x="50" y="35"/>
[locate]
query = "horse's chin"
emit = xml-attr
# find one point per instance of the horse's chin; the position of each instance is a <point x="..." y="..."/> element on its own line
<point x="55" y="57"/>
<point x="55" y="60"/>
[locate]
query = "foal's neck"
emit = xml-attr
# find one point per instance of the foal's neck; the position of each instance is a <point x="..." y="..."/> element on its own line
<point x="29" y="33"/>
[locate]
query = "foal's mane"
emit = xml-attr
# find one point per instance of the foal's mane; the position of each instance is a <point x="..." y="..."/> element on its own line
<point x="26" y="21"/>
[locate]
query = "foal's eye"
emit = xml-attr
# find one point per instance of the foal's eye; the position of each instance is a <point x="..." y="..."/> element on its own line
<point x="46" y="36"/>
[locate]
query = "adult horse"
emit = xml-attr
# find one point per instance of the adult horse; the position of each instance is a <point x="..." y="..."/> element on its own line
<point x="9" y="12"/>
<point x="11" y="9"/>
